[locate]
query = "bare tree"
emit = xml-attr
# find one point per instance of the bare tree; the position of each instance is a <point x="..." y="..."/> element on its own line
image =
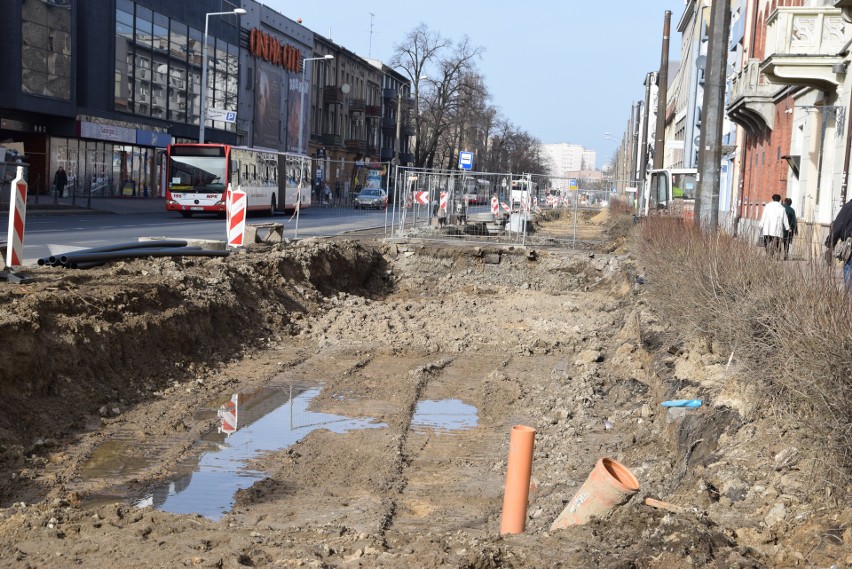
<point x="453" y="111"/>
<point x="439" y="65"/>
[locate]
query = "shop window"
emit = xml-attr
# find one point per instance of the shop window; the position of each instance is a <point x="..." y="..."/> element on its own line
<point x="46" y="49"/>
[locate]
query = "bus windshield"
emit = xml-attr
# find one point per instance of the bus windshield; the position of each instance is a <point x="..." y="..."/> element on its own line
<point x="201" y="174"/>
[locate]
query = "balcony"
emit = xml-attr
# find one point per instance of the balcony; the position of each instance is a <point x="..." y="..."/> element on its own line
<point x="752" y="104"/>
<point x="846" y="6"/>
<point x="390" y="94"/>
<point x="406" y="158"/>
<point x="406" y="130"/>
<point x="386" y="155"/>
<point x="388" y="123"/>
<point x="332" y="95"/>
<point x="802" y="46"/>
<point x="357" y="105"/>
<point x="356" y="145"/>
<point x="334" y="140"/>
<point x="373" y="111"/>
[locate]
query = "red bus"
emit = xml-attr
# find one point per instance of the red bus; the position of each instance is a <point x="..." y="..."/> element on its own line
<point x="198" y="175"/>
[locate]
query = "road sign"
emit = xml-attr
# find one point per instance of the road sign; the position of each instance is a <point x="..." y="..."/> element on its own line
<point x="222" y="115"/>
<point x="572" y="184"/>
<point x="421" y="198"/>
<point x="465" y="160"/>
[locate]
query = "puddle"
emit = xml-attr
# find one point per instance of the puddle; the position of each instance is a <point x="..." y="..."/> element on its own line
<point x="444" y="415"/>
<point x="249" y="425"/>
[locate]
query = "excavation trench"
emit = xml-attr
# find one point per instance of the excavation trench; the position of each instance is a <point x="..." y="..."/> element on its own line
<point x="169" y="381"/>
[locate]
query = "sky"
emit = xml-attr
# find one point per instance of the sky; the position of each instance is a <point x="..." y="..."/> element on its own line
<point x="562" y="70"/>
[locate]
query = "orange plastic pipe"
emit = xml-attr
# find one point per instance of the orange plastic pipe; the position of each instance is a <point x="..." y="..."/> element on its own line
<point x="518" y="472"/>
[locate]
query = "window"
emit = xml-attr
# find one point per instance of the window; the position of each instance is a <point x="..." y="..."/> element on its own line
<point x="46" y="49"/>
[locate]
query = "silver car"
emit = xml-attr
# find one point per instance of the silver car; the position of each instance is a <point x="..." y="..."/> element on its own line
<point x="371" y="198"/>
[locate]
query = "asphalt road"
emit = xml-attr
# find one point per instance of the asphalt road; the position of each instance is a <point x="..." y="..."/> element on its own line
<point x="113" y="220"/>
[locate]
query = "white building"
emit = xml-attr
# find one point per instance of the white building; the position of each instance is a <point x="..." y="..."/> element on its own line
<point x="566" y="159"/>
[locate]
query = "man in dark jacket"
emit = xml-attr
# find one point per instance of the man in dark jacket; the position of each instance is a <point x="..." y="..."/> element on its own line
<point x="788" y="234"/>
<point x="60" y="179"/>
<point x="841" y="228"/>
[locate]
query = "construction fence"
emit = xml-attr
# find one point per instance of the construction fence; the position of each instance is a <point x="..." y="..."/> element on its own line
<point x="494" y="207"/>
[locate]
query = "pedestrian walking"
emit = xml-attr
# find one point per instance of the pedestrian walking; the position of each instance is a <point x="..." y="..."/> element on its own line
<point x="791" y="219"/>
<point x="60" y="180"/>
<point x="773" y="224"/>
<point x="841" y="229"/>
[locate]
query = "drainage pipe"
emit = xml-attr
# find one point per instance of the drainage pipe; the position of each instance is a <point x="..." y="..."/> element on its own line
<point x="518" y="472"/>
<point x="610" y="484"/>
<point x="137" y="253"/>
<point x="134" y="245"/>
<point x="54" y="260"/>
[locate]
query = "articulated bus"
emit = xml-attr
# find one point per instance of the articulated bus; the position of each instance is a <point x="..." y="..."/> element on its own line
<point x="198" y="176"/>
<point x="477" y="190"/>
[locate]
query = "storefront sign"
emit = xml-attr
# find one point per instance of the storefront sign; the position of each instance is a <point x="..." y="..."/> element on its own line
<point x="156" y="139"/>
<point x="267" y="47"/>
<point x="107" y="132"/>
<point x="21" y="126"/>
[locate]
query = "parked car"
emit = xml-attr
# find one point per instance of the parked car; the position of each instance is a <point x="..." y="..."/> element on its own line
<point x="371" y="198"/>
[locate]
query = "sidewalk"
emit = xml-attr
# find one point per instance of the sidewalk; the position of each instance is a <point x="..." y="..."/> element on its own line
<point x="82" y="206"/>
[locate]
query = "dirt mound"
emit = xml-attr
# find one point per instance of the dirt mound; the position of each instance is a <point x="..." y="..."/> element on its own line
<point x="120" y="370"/>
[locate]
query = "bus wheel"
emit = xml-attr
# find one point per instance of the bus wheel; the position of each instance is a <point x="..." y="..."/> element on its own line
<point x="186" y="213"/>
<point x="272" y="207"/>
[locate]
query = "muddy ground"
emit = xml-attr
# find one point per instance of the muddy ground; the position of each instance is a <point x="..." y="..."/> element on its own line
<point x="112" y="377"/>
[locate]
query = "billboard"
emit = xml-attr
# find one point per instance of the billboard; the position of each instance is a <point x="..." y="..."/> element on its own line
<point x="267" y="109"/>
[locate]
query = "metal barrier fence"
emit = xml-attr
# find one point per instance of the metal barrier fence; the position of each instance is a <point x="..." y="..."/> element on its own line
<point x="339" y="197"/>
<point x="493" y="207"/>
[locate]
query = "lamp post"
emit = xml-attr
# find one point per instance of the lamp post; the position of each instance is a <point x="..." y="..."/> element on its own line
<point x="203" y="110"/>
<point x="397" y="143"/>
<point x="326" y="57"/>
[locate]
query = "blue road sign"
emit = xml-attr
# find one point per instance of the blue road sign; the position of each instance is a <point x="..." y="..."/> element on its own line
<point x="465" y="160"/>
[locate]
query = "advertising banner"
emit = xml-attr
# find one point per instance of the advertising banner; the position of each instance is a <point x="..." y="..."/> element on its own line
<point x="267" y="109"/>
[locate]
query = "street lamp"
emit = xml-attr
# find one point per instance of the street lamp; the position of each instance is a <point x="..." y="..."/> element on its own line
<point x="326" y="57"/>
<point x="203" y="110"/>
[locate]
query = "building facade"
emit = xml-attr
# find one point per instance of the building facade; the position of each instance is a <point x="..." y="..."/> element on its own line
<point x="787" y="106"/>
<point x="101" y="87"/>
<point x="567" y="159"/>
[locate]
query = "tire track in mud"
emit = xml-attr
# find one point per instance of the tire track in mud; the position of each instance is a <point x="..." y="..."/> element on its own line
<point x="396" y="486"/>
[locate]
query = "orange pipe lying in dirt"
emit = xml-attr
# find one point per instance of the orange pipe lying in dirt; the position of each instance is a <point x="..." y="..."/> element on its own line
<point x="610" y="484"/>
<point x="518" y="472"/>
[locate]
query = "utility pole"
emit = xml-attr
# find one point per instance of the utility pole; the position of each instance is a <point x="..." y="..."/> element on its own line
<point x="713" y="112"/>
<point x="643" y="138"/>
<point x="637" y="130"/>
<point x="662" y="94"/>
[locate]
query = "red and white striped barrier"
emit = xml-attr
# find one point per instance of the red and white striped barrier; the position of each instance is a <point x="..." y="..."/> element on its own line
<point x="236" y="206"/>
<point x="505" y="207"/>
<point x="495" y="206"/>
<point x="228" y="414"/>
<point x="443" y="201"/>
<point x="17" y="219"/>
